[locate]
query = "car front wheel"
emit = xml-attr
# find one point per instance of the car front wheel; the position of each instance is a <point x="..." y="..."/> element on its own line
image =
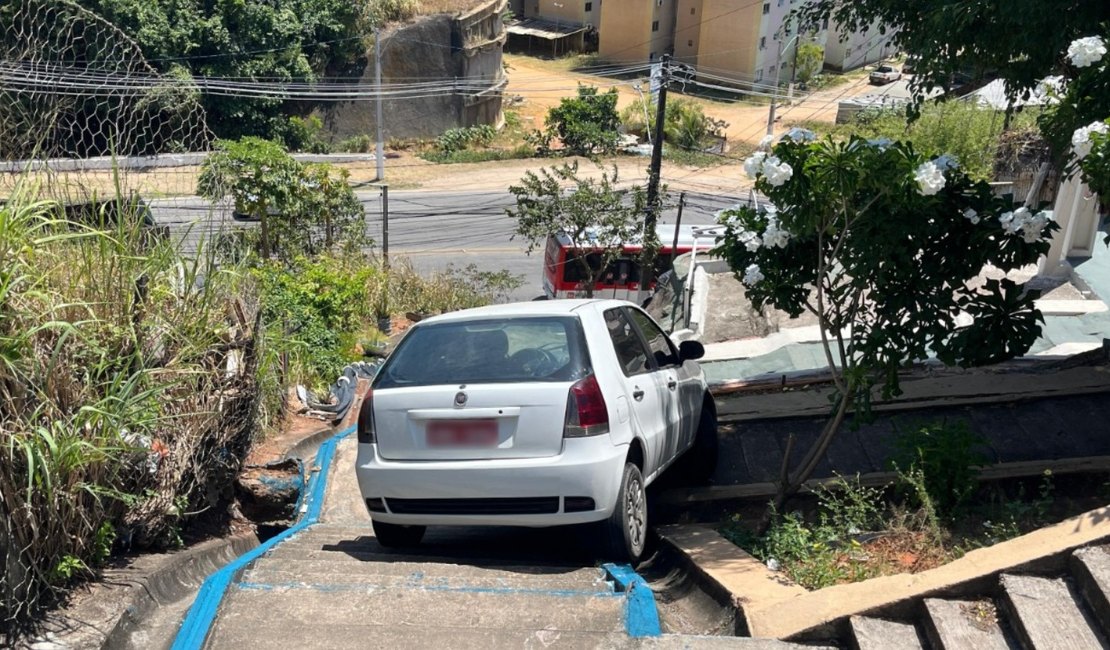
<point x="624" y="533"/>
<point x="397" y="536"/>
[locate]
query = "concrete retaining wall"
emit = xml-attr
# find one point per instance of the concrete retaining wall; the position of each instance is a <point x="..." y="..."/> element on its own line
<point x="466" y="48"/>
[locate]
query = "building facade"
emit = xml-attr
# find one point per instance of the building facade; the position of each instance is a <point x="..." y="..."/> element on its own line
<point x="742" y="40"/>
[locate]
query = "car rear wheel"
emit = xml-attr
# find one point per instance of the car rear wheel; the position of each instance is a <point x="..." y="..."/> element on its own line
<point x="397" y="536"/>
<point x="624" y="533"/>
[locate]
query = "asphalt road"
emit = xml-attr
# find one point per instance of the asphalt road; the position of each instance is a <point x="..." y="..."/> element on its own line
<point x="432" y="229"/>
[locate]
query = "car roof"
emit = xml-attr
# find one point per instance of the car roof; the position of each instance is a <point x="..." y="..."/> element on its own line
<point x="566" y="307"/>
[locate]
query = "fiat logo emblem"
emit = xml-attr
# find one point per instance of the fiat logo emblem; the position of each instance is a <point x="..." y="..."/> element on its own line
<point x="460" y="399"/>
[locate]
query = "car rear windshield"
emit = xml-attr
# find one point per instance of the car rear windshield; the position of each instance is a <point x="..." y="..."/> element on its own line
<point x="525" y="349"/>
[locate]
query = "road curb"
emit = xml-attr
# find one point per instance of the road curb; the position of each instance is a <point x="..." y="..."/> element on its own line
<point x="202" y="613"/>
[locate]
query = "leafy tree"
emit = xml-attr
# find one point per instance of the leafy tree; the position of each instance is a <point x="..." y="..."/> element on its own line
<point x="1020" y="40"/>
<point x="885" y="247"/>
<point x="302" y="209"/>
<point x="587" y="123"/>
<point x="595" y="216"/>
<point x="808" y="61"/>
<point x="275" y="40"/>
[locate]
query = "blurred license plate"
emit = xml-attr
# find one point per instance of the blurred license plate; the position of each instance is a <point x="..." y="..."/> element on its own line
<point x="462" y="433"/>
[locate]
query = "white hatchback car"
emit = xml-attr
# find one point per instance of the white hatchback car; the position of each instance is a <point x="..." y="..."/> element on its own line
<point x="532" y="414"/>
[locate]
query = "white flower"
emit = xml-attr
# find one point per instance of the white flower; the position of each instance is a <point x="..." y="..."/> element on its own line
<point x="1023" y="222"/>
<point x="1084" y="52"/>
<point x="766" y="142"/>
<point x="754" y="164"/>
<point x="773" y="564"/>
<point x="1081" y="139"/>
<point x="1050" y="86"/>
<point x="777" y="172"/>
<point x="800" y="135"/>
<point x="751" y="240"/>
<point x="775" y="235"/>
<point x="752" y="275"/>
<point x="971" y="215"/>
<point x="930" y="179"/>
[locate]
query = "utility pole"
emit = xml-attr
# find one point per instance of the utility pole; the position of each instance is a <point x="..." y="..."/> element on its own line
<point x="775" y="86"/>
<point x="380" y="149"/>
<point x="678" y="222"/>
<point x="647" y="254"/>
<point x="385" y="225"/>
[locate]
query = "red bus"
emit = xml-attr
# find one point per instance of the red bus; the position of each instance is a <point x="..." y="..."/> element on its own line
<point x="562" y="275"/>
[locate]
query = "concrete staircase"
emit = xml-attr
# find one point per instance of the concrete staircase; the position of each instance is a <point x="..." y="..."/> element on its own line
<point x="335" y="587"/>
<point x="1025" y="611"/>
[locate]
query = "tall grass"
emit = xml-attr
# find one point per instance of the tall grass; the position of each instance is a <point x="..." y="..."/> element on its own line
<point x="129" y="392"/>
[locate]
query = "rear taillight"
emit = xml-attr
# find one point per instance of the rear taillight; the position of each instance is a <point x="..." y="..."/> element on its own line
<point x="587" y="414"/>
<point x="366" y="419"/>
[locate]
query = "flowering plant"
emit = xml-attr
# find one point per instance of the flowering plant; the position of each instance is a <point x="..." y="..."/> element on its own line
<point x="885" y="246"/>
<point x="1077" y="120"/>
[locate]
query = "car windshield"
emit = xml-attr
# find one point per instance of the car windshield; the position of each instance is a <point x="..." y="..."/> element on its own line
<point x="886" y="68"/>
<point x="522" y="349"/>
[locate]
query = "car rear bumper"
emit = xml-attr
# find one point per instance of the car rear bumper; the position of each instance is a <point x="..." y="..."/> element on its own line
<point x="503" y="492"/>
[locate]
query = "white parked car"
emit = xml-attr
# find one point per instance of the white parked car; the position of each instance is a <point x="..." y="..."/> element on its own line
<point x="884" y="74"/>
<point x="532" y="414"/>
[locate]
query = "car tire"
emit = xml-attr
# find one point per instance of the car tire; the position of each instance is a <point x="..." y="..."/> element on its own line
<point x="624" y="534"/>
<point x="397" y="536"/>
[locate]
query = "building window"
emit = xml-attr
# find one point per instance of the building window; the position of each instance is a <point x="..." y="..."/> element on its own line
<point x="780" y="3"/>
<point x="655" y="25"/>
<point x="759" y="75"/>
<point x="589" y="6"/>
<point x="762" y="42"/>
<point x="690" y="43"/>
<point x="771" y="70"/>
<point x="692" y="10"/>
<point x="825" y="25"/>
<point x="766" y="8"/>
<point x="651" y="57"/>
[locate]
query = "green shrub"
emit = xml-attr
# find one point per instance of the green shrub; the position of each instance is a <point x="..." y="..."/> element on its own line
<point x="945" y="456"/>
<point x="123" y="413"/>
<point x="454" y="140"/>
<point x="362" y="143"/>
<point x="586" y="124"/>
<point x="309" y="305"/>
<point x="686" y="125"/>
<point x="303" y="209"/>
<point x="303" y="134"/>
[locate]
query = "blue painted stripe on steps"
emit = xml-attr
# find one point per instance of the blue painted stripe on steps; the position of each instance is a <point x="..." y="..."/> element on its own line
<point x="641" y="617"/>
<point x="198" y="621"/>
<point x="367" y="588"/>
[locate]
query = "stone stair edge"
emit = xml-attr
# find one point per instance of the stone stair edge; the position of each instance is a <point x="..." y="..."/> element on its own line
<point x="823" y="614"/>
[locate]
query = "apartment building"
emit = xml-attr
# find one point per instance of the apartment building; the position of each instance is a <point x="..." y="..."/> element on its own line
<point x="636" y="30"/>
<point x="744" y="40"/>
<point x="846" y="50"/>
<point x="561" y="13"/>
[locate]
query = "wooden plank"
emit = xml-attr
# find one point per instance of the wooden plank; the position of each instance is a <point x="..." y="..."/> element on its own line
<point x="879" y="634"/>
<point x="920" y="392"/>
<point x="1091" y="569"/>
<point x="992" y="473"/>
<point x="963" y="625"/>
<point x="1045" y="614"/>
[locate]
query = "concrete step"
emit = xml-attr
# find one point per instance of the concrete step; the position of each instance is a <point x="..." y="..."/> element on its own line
<point x="879" y="634"/>
<point x="292" y="608"/>
<point x="1090" y="567"/>
<point x="317" y="637"/>
<point x="1045" y="613"/>
<point x="456" y="578"/>
<point x="963" y="625"/>
<point x="298" y="552"/>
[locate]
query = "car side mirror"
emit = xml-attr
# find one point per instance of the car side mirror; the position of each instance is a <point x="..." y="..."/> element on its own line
<point x="691" y="350"/>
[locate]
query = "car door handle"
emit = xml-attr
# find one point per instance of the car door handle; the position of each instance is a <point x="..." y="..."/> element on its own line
<point x="672" y="384"/>
<point x="638" y="395"/>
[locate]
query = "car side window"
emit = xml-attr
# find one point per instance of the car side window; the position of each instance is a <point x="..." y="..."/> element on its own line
<point x="630" y="350"/>
<point x="659" y="343"/>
